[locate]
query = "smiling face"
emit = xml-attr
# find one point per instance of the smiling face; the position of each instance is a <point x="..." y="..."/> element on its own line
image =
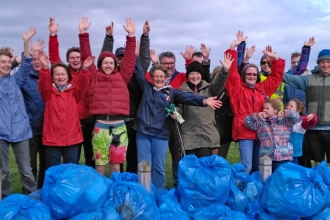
<point x="108" y="65"/>
<point x="294" y="62"/>
<point x="292" y="105"/>
<point x="74" y="60"/>
<point x="269" y="110"/>
<point x="169" y="64"/>
<point x="60" y="76"/>
<point x="5" y="65"/>
<point x="158" y="79"/>
<point x="325" y="67"/>
<point x="194" y="77"/>
<point x="265" y="66"/>
<point x="251" y="75"/>
<point x="36" y="64"/>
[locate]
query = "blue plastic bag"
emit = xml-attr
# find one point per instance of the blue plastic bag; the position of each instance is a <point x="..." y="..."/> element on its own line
<point x="71" y="189"/>
<point x="293" y="191"/>
<point x="324" y="171"/>
<point x="202" y="182"/>
<point x="216" y="211"/>
<point x="324" y="215"/>
<point x="256" y="175"/>
<point x="243" y="189"/>
<point x="133" y="177"/>
<point x="17" y="206"/>
<point x="169" y="206"/>
<point x="105" y="213"/>
<point x="132" y="201"/>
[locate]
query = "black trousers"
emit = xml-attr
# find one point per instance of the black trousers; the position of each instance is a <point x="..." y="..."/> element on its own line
<point x="87" y="127"/>
<point x="131" y="154"/>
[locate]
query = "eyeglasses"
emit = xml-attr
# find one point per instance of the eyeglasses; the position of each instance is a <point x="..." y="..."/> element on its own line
<point x="265" y="62"/>
<point x="251" y="74"/>
<point x="168" y="64"/>
<point x="159" y="77"/>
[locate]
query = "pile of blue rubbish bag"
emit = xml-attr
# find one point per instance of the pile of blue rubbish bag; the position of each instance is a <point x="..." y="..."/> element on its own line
<point x="208" y="188"/>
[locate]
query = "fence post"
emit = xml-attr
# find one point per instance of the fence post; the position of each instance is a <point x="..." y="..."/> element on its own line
<point x="265" y="167"/>
<point x="144" y="174"/>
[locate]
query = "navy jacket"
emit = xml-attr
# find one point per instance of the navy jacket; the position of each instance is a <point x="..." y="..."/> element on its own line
<point x="151" y="115"/>
<point x="34" y="105"/>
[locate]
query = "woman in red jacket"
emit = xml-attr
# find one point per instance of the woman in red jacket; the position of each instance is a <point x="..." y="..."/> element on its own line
<point x="247" y="95"/>
<point x="61" y="129"/>
<point x="109" y="98"/>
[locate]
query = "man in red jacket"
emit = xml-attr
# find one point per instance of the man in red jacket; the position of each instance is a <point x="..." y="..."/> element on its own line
<point x="175" y="79"/>
<point x="74" y="59"/>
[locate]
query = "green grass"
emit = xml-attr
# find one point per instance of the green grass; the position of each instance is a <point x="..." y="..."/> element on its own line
<point x="233" y="157"/>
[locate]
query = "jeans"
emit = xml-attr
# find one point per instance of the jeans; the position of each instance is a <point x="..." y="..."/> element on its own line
<point x="35" y="146"/>
<point x="22" y="157"/>
<point x="249" y="150"/>
<point x="153" y="151"/>
<point x="54" y="154"/>
<point x="87" y="127"/>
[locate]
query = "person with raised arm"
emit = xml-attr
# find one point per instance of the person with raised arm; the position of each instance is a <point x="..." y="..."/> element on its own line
<point x="15" y="128"/>
<point x="61" y="130"/>
<point x="152" y="124"/>
<point x="109" y="98"/>
<point x="142" y="52"/>
<point x="199" y="131"/>
<point x="247" y="95"/>
<point x="73" y="58"/>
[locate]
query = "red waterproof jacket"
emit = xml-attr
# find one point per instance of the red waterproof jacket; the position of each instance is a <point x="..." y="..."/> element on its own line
<point x="245" y="100"/>
<point x="54" y="56"/>
<point x="61" y="122"/>
<point x="108" y="94"/>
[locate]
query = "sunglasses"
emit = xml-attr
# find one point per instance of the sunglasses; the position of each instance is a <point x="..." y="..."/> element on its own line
<point x="251" y="74"/>
<point x="265" y="62"/>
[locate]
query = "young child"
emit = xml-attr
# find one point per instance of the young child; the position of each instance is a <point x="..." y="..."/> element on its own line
<point x="273" y="128"/>
<point x="299" y="129"/>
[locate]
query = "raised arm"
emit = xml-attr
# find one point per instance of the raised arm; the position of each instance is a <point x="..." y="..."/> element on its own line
<point x="304" y="58"/>
<point x="309" y="121"/>
<point x="291" y="117"/>
<point x="108" y="40"/>
<point x="23" y="72"/>
<point x="144" y="53"/>
<point x="299" y="82"/>
<point x="240" y="53"/>
<point x="85" y="48"/>
<point x="218" y="84"/>
<point x="187" y="55"/>
<point x="275" y="78"/>
<point x="54" y="54"/>
<point x="206" y="62"/>
<point x="248" y="55"/>
<point x="84" y="79"/>
<point x="45" y="79"/>
<point x="128" y="64"/>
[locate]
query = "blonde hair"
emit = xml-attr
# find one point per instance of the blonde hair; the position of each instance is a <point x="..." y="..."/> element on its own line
<point x="274" y="103"/>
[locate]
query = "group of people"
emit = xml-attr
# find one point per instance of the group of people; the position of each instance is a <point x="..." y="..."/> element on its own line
<point x="118" y="111"/>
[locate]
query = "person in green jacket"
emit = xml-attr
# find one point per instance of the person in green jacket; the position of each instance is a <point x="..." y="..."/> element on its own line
<point x="199" y="131"/>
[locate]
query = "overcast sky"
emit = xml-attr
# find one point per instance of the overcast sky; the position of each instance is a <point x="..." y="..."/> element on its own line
<point x="284" y="25"/>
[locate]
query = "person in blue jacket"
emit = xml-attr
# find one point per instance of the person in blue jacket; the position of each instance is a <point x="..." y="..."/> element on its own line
<point x="317" y="88"/>
<point x="14" y="121"/>
<point x="152" y="123"/>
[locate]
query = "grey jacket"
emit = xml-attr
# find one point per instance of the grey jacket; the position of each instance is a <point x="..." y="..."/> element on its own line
<point x="199" y="129"/>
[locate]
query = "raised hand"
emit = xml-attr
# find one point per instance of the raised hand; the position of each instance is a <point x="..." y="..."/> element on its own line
<point x="43" y="59"/>
<point x="83" y="25"/>
<point x="240" y="39"/>
<point x="213" y="102"/>
<point x="88" y="62"/>
<point x="310" y="42"/>
<point x="250" y="52"/>
<point x="146" y="28"/>
<point x="270" y="55"/>
<point x="187" y="55"/>
<point x="27" y="36"/>
<point x="109" y="29"/>
<point x="227" y="61"/>
<point x="39" y="45"/>
<point x="205" y="52"/>
<point x="280" y="114"/>
<point x="137" y="48"/>
<point x="153" y="56"/>
<point x="53" y="28"/>
<point x="130" y="27"/>
<point x="310" y="117"/>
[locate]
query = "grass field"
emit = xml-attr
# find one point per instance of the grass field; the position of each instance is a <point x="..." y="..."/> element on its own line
<point x="233" y="157"/>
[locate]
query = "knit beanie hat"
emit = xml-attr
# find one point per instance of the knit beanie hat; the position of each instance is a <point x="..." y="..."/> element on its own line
<point x="103" y="55"/>
<point x="323" y="55"/>
<point x="195" y="66"/>
<point x="243" y="74"/>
